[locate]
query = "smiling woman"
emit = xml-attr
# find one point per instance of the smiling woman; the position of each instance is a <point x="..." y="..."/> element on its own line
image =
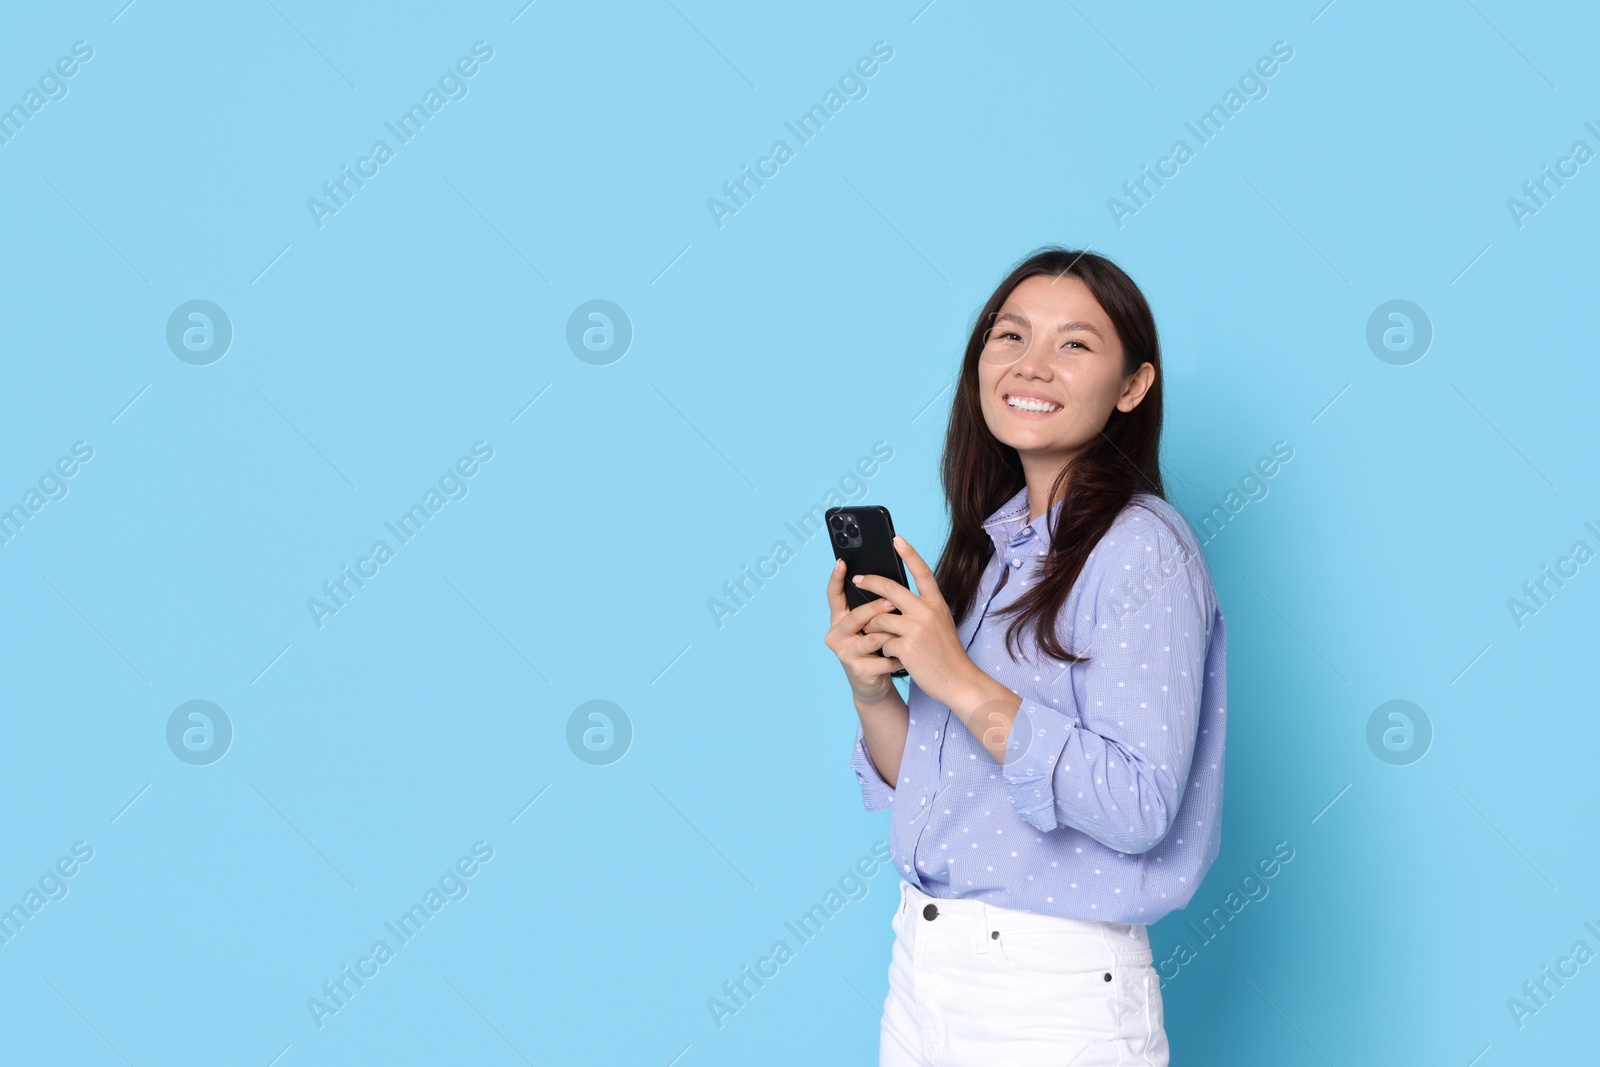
<point x="1055" y="772"/>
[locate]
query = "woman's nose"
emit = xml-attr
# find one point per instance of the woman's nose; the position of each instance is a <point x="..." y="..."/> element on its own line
<point x="1035" y="358"/>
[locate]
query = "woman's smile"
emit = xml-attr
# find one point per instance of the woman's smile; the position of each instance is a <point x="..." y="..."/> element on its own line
<point x="1030" y="405"/>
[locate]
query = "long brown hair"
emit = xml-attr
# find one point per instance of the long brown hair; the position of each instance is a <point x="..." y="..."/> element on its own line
<point x="979" y="473"/>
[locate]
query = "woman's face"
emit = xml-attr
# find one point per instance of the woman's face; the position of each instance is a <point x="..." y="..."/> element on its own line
<point x="1053" y="347"/>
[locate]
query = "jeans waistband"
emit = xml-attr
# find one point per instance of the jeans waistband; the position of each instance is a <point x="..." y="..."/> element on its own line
<point x="979" y="917"/>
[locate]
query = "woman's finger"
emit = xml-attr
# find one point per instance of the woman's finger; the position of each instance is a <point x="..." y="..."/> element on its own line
<point x="877" y="666"/>
<point x="887" y="588"/>
<point x="868" y="644"/>
<point x="886" y="621"/>
<point x="837" y="605"/>
<point x="926" y="586"/>
<point x="855" y="620"/>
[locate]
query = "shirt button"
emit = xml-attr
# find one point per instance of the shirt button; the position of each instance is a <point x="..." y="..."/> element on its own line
<point x="1016" y="562"/>
<point x="930" y="912"/>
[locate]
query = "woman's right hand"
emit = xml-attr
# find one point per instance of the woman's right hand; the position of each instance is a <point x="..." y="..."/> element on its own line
<point x="869" y="672"/>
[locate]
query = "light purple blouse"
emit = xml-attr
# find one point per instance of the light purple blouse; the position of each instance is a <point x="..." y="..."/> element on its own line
<point x="1109" y="803"/>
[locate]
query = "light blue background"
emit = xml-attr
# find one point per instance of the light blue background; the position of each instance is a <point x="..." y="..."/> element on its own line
<point x="768" y="356"/>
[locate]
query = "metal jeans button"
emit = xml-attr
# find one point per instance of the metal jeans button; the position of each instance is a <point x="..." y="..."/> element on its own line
<point x="930" y="912"/>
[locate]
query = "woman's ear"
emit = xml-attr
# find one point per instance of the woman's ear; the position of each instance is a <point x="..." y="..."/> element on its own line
<point x="1138" y="383"/>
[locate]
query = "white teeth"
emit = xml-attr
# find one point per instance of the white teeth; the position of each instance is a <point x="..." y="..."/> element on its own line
<point x="1029" y="404"/>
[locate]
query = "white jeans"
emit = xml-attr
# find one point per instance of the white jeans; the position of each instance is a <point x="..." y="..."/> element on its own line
<point x="980" y="984"/>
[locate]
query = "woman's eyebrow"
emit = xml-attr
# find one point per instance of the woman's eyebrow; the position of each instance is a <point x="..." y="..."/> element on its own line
<point x="1086" y="327"/>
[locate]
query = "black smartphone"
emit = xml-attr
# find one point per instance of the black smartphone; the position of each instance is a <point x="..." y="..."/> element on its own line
<point x="864" y="538"/>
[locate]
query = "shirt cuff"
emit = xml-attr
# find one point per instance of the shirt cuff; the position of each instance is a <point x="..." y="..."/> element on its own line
<point x="1037" y="740"/>
<point x="876" y="793"/>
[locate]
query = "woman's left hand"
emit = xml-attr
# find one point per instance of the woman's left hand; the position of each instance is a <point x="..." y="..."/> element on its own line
<point x="926" y="642"/>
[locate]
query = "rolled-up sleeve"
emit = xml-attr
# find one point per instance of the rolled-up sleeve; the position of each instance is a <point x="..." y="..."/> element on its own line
<point x="876" y="793"/>
<point x="1114" y="765"/>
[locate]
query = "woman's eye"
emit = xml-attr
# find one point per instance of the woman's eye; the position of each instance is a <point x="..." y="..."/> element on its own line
<point x="1080" y="344"/>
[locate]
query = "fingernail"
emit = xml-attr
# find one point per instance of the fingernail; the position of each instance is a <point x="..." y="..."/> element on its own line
<point x="899" y="540"/>
<point x="856" y="579"/>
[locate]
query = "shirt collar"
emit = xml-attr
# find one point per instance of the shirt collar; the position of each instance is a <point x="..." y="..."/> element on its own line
<point x="1009" y="524"/>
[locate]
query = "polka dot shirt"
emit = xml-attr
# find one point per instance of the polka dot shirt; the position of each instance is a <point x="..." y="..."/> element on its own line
<point x="1108" y="804"/>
